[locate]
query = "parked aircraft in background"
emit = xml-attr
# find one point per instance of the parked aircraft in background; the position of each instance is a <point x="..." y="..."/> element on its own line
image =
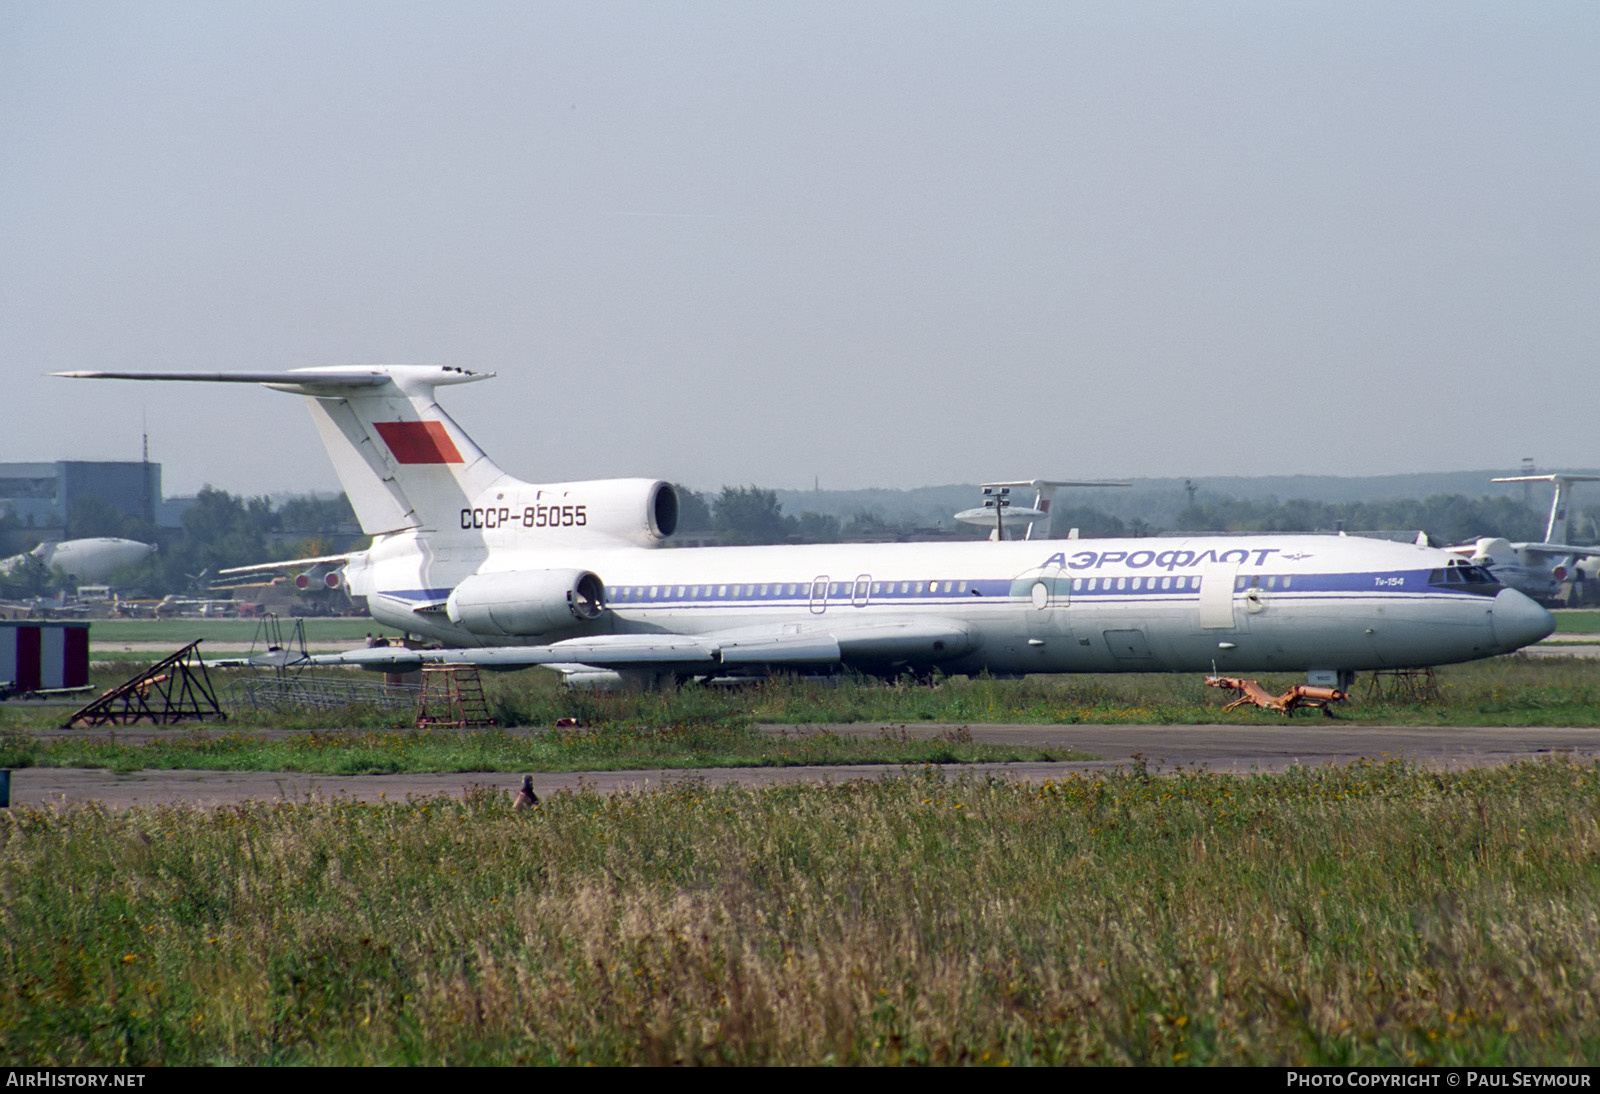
<point x="321" y="572"/>
<point x="1536" y="569"/>
<point x="509" y="573"/>
<point x="88" y="560"/>
<point x="997" y="513"/>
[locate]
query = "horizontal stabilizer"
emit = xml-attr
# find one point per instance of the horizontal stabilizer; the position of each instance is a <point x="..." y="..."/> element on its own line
<point x="324" y="380"/>
<point x="288" y="564"/>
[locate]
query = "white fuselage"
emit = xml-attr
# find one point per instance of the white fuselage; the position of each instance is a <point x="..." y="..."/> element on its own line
<point x="1246" y="603"/>
<point x="571" y="574"/>
<point x="88" y="560"/>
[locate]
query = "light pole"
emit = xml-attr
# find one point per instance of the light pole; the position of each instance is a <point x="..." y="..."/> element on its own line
<point x="998" y="498"/>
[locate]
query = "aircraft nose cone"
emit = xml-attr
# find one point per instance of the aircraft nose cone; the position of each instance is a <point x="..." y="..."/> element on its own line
<point x="1517" y="621"/>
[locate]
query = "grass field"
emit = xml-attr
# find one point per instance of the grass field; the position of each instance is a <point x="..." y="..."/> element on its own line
<point x="1361" y="915"/>
<point x="697" y="726"/>
<point x="602" y="748"/>
<point x="1375" y="914"/>
<point x="1577" y="620"/>
<point x="180" y="632"/>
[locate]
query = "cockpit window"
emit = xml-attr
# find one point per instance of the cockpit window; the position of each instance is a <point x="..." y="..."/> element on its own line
<point x="1466" y="578"/>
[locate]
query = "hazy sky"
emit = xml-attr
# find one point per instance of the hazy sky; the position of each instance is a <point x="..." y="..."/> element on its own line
<point x="876" y="243"/>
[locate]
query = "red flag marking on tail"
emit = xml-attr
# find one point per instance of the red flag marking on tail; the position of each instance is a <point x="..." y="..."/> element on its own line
<point x="418" y="442"/>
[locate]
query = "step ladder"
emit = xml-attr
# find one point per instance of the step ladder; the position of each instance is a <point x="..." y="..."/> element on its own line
<point x="452" y="695"/>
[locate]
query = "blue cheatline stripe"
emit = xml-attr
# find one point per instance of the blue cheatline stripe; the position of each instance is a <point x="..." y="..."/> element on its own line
<point x="427" y="596"/>
<point x="996" y="604"/>
<point x="1410" y="584"/>
<point x="1406" y="583"/>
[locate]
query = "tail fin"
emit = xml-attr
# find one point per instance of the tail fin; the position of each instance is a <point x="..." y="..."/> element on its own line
<point x="1556" y="531"/>
<point x="403" y="462"/>
<point x="1039" y="528"/>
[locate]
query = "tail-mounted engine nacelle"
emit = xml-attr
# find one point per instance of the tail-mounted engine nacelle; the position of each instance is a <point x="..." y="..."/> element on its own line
<point x="526" y="602"/>
<point x="328" y="579"/>
<point x="639" y="511"/>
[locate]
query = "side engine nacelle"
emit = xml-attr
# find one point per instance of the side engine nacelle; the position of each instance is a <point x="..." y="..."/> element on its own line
<point x="526" y="602"/>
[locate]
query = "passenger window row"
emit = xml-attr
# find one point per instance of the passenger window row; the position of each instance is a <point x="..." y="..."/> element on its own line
<point x="800" y="590"/>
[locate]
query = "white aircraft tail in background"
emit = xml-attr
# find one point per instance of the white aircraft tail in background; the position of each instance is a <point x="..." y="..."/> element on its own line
<point x="1555" y="534"/>
<point x="1536" y="569"/>
<point x="507" y="573"/>
<point x="998" y="514"/>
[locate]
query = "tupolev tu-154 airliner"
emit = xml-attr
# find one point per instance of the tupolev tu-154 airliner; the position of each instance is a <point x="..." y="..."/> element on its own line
<point x="505" y="574"/>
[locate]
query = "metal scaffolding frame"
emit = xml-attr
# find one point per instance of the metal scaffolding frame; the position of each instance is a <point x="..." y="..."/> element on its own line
<point x="1416" y="685"/>
<point x="176" y="689"/>
<point x="290" y="682"/>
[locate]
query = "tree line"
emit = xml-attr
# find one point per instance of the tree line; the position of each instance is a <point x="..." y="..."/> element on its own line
<point x="750" y="515"/>
<point x="219" y="530"/>
<point x="1447" y="518"/>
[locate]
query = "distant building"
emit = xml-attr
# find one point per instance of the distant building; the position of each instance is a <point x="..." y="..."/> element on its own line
<point x="42" y="495"/>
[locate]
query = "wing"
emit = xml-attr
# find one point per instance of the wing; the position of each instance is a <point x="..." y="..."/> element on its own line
<point x="1563" y="550"/>
<point x="291" y="563"/>
<point x="877" y="642"/>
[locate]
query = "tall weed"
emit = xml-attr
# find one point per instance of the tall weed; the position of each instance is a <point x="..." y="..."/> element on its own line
<point x="1369" y="914"/>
